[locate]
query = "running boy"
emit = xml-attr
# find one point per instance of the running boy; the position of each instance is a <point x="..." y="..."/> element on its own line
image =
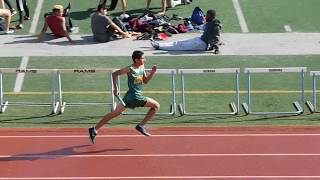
<point x="133" y="98"/>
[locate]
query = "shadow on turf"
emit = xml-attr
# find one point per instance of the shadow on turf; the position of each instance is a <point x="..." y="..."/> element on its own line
<point x="25" y="118"/>
<point x="59" y="153"/>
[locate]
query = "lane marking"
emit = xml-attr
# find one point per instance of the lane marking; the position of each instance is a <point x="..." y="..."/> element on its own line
<point x="20" y="76"/>
<point x="36" y="16"/>
<point x="168" y="92"/>
<point x="287" y="28"/>
<point x="161" y="177"/>
<point x="149" y="155"/>
<point x="164" y="135"/>
<point x="242" y="20"/>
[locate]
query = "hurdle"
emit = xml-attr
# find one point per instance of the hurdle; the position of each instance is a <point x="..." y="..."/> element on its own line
<point x="172" y="111"/>
<point x="312" y="106"/>
<point x="4" y="104"/>
<point x="249" y="71"/>
<point x="64" y="104"/>
<point x="233" y="107"/>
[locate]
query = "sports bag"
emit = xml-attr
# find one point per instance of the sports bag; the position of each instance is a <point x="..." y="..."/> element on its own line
<point x="197" y="16"/>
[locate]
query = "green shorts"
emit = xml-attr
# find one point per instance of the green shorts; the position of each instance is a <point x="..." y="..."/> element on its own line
<point x="133" y="101"/>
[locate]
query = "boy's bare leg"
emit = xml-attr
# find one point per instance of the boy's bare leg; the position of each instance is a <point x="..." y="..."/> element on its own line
<point x="154" y="107"/>
<point x="119" y="109"/>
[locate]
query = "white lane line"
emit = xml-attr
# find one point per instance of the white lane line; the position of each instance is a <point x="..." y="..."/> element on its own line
<point x="151" y="155"/>
<point x="163" y="135"/>
<point x="20" y="76"/>
<point x="36" y="16"/>
<point x="160" y="177"/>
<point x="242" y="20"/>
<point x="287" y="28"/>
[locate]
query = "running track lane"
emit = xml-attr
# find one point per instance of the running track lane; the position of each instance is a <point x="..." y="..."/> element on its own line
<point x="172" y="153"/>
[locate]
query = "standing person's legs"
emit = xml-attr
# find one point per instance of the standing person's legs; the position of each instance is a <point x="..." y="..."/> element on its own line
<point x="148" y="4"/>
<point x="124" y="6"/>
<point x="26" y="9"/>
<point x="12" y="10"/>
<point x="20" y="10"/>
<point x="164" y="7"/>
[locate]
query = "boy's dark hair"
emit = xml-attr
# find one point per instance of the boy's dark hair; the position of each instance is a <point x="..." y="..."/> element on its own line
<point x="211" y="15"/>
<point x="101" y="6"/>
<point x="137" y="55"/>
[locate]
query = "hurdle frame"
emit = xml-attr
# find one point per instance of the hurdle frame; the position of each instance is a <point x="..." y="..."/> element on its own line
<point x="312" y="106"/>
<point x="64" y="104"/>
<point x="4" y="104"/>
<point x="247" y="105"/>
<point x="233" y="107"/>
<point x="173" y="105"/>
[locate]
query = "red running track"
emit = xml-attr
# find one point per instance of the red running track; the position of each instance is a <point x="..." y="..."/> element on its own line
<point x="171" y="153"/>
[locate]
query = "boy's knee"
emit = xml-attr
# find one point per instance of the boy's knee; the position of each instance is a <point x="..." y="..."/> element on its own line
<point x="156" y="106"/>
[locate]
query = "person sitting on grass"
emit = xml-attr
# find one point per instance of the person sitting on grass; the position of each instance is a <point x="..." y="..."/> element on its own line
<point x="209" y="40"/>
<point x="133" y="98"/>
<point x="103" y="28"/>
<point x="7" y="17"/>
<point x="57" y="24"/>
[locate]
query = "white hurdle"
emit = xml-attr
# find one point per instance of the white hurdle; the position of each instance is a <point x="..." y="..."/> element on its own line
<point x="233" y="107"/>
<point x="249" y="71"/>
<point x="4" y="104"/>
<point x="64" y="104"/>
<point x="172" y="73"/>
<point x="312" y="106"/>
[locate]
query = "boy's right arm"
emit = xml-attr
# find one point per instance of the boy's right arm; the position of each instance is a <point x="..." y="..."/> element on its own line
<point x="115" y="75"/>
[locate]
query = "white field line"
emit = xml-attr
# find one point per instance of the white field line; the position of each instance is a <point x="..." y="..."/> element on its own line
<point x="242" y="20"/>
<point x="167" y="92"/>
<point x="36" y="16"/>
<point x="164" y="135"/>
<point x="20" y="76"/>
<point x="287" y="28"/>
<point x="160" y="177"/>
<point x="152" y="155"/>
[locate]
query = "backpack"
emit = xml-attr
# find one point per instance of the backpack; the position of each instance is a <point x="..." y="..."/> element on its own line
<point x="197" y="16"/>
<point x="2" y="27"/>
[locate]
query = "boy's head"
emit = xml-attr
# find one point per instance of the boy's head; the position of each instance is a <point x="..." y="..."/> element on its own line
<point x="211" y="15"/>
<point x="137" y="55"/>
<point x="102" y="8"/>
<point x="57" y="9"/>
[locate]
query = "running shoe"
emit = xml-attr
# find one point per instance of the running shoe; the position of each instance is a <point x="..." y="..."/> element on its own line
<point x="142" y="130"/>
<point x="92" y="134"/>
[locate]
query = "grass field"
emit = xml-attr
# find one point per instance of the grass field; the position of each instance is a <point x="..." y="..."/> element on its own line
<point x="261" y="16"/>
<point x="95" y="88"/>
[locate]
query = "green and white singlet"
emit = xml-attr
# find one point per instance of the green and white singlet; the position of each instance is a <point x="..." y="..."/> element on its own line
<point x="134" y="97"/>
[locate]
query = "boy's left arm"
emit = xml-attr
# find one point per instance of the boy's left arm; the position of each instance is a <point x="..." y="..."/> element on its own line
<point x="146" y="78"/>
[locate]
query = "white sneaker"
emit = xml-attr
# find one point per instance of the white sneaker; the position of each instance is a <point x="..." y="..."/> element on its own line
<point x="124" y="16"/>
<point x="9" y="32"/>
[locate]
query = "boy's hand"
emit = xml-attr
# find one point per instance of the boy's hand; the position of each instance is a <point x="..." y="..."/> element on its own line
<point x="154" y="69"/>
<point x="116" y="92"/>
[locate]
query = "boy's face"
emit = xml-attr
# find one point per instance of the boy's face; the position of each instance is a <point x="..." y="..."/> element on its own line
<point x="140" y="61"/>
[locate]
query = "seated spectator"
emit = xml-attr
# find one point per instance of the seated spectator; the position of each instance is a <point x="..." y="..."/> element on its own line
<point x="57" y="24"/>
<point x="208" y="41"/>
<point x="7" y="17"/>
<point x="103" y="28"/>
<point x="163" y="9"/>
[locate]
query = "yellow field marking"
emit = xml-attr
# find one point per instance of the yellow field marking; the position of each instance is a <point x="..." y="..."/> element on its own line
<point x="163" y="92"/>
